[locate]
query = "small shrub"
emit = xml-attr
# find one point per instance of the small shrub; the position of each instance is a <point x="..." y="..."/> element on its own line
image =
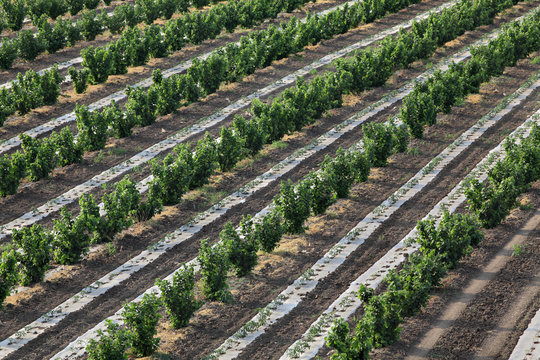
<point x="178" y="297"/>
<point x="141" y="320"/>
<point x="214" y="267"/>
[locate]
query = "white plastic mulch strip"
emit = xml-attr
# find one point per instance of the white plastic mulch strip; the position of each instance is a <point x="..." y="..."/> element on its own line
<point x="146" y="155"/>
<point x="86" y="295"/>
<point x="348" y="302"/>
<point x="528" y="346"/>
<point x="290" y="297"/>
<point x="287" y="300"/>
<point x="117" y="96"/>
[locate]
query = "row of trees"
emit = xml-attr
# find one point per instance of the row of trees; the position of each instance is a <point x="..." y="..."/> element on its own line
<point x="52" y="37"/>
<point x="492" y="201"/>
<point x="440" y="249"/>
<point x="443" y="89"/>
<point x="13" y="12"/>
<point x="136" y="46"/>
<point x="294" y="109"/>
<point x="407" y="290"/>
<point x="269" y="122"/>
<point x="237" y="249"/>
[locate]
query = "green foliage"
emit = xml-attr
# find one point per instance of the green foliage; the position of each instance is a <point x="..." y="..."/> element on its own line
<point x="92" y="127"/>
<point x="120" y="205"/>
<point x="173" y="176"/>
<point x="79" y="79"/>
<point x="242" y="252"/>
<point x="29" y="47"/>
<point x="34" y="253"/>
<point x="91" y="4"/>
<point x="141" y="106"/>
<point x="75" y="6"/>
<point x="178" y="297"/>
<point x="68" y="151"/>
<point x="8" y="272"/>
<point x="229" y="149"/>
<point x="323" y="192"/>
<point x="407" y="290"/>
<point x="40" y="155"/>
<point x="111" y="345"/>
<point x="8" y="53"/>
<point x="15" y="12"/>
<point x="98" y="62"/>
<point x="378" y="143"/>
<point x="50" y="8"/>
<point x="205" y="158"/>
<point x="214" y="267"/>
<point x="294" y="203"/>
<point x="71" y="239"/>
<point x="90" y="26"/>
<point x="340" y="172"/>
<point x="454" y="237"/>
<point x="349" y="347"/>
<point x="121" y="124"/>
<point x="12" y="170"/>
<point x="141" y="319"/>
<point x="268" y="231"/>
<point x="492" y="202"/>
<point x="250" y="135"/>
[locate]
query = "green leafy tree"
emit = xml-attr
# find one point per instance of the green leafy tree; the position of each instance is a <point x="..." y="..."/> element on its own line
<point x="92" y="127"/>
<point x="29" y="46"/>
<point x="229" y="149"/>
<point x="214" y="267"/>
<point x="242" y="252"/>
<point x="34" y="253"/>
<point x="111" y="345"/>
<point x="268" y="231"/>
<point x="8" y="272"/>
<point x="323" y="192"/>
<point x="79" y="79"/>
<point x="68" y="151"/>
<point x="15" y="12"/>
<point x="98" y="62"/>
<point x="8" y="53"/>
<point x="173" y="176"/>
<point x="250" y="135"/>
<point x="141" y="319"/>
<point x="205" y="158"/>
<point x="378" y="143"/>
<point x="294" y="203"/>
<point x="120" y="205"/>
<point x="141" y="106"/>
<point x="340" y="172"/>
<point x="178" y="296"/>
<point x="71" y="239"/>
<point x="89" y="25"/>
<point x="41" y="158"/>
<point x="12" y="170"/>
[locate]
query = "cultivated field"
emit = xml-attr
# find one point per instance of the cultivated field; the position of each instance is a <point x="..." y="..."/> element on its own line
<point x="270" y="179"/>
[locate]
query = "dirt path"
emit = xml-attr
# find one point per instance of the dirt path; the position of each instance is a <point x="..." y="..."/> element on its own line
<point x="460" y="302"/>
<point x="498" y="342"/>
